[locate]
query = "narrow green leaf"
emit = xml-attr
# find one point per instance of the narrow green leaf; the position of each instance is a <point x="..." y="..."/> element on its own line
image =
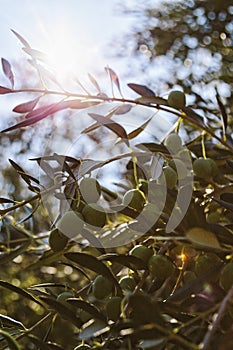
<point x="93" y="329"/>
<point x="63" y="310"/>
<point x="11" y="322"/>
<point x="90" y="308"/>
<point x="132" y="262"/>
<point x="140" y="129"/>
<point x="92" y="263"/>
<point x="141" y="90"/>
<point x="113" y="126"/>
<point x="19" y="291"/>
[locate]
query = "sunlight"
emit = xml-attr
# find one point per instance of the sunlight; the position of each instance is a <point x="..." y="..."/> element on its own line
<point x="68" y="55"/>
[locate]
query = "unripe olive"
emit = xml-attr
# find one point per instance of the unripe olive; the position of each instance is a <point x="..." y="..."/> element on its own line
<point x="205" y="167"/>
<point x="57" y="240"/>
<point x="177" y="99"/>
<point x="113" y="308"/>
<point x="127" y="283"/>
<point x="179" y="167"/>
<point x="226" y="276"/>
<point x="62" y="298"/>
<point x="205" y="262"/>
<point x="90" y="189"/>
<point x="71" y="224"/>
<point x="160" y="267"/>
<point x="213" y="216"/>
<point x="102" y="287"/>
<point x="170" y="177"/>
<point x="94" y="215"/>
<point x="214" y="167"/>
<point x="189" y="276"/>
<point x="173" y="142"/>
<point x="142" y="252"/>
<point x="134" y="199"/>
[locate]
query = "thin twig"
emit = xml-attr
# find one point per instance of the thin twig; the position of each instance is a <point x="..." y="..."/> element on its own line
<point x="206" y="344"/>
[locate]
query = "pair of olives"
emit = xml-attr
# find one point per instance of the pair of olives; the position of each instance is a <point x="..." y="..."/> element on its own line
<point x="72" y="222"/>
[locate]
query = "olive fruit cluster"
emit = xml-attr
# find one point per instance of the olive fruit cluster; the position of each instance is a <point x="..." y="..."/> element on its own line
<point x="205" y="168"/>
<point x="93" y="214"/>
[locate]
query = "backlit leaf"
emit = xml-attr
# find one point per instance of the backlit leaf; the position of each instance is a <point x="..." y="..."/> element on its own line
<point x="26" y="106"/>
<point x="113" y="126"/>
<point x="141" y="90"/>
<point x="4" y="90"/>
<point x="21" y="39"/>
<point x="114" y="78"/>
<point x="7" y="70"/>
<point x="123" y="109"/>
<point x="202" y="237"/>
<point x="94" y="82"/>
<point x="140" y="129"/>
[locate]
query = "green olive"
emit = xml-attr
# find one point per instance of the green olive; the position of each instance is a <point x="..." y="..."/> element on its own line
<point x="205" y="262"/>
<point x="160" y="266"/>
<point x="94" y="215"/>
<point x="127" y="283"/>
<point x="170" y="177"/>
<point x="173" y="142"/>
<point x="177" y="99"/>
<point x="179" y="167"/>
<point x="113" y="308"/>
<point x="57" y="240"/>
<point x="189" y="276"/>
<point x="134" y="199"/>
<point x="90" y="189"/>
<point x="64" y="296"/>
<point x="142" y="252"/>
<point x="226" y="276"/>
<point x="102" y="287"/>
<point x="205" y="167"/>
<point x="71" y="223"/>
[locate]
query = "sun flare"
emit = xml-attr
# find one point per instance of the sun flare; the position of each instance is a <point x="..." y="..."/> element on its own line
<point x="67" y="55"/>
